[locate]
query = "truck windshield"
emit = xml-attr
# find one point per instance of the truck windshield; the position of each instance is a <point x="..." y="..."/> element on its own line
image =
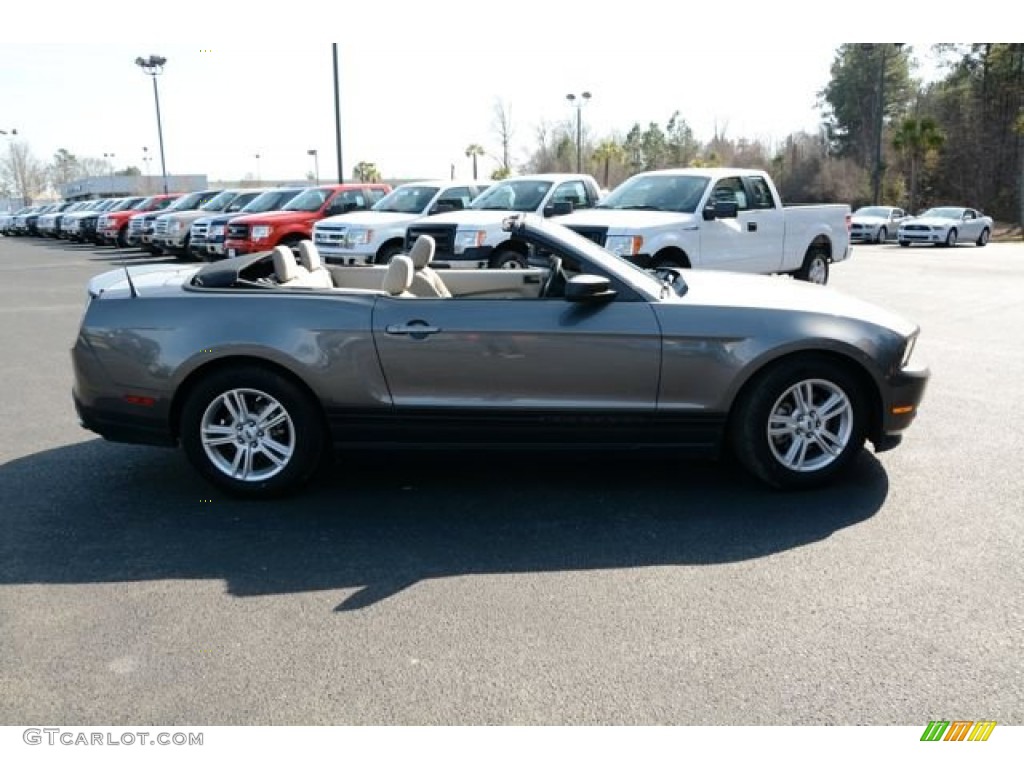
<point x="407" y="200"/>
<point x="521" y="195"/>
<point x="188" y="202"/>
<point x="310" y="200"/>
<point x="220" y="202"/>
<point x="681" y="194"/>
<point x="271" y="201"/>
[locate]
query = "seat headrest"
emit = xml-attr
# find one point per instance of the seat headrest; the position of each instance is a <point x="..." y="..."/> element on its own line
<point x="285" y="266"/>
<point x="422" y="251"/>
<point x="309" y="256"/>
<point x="398" y="278"/>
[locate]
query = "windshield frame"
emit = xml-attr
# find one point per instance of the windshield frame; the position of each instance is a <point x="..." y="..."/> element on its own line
<point x="690" y="200"/>
<point x="497" y="190"/>
<point x="403" y="190"/>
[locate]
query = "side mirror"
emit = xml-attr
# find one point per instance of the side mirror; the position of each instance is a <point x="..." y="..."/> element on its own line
<point x="444" y="206"/>
<point x="560" y="208"/>
<point x="589" y="289"/>
<point x="721" y="209"/>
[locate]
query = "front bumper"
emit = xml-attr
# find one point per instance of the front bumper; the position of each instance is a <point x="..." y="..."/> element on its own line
<point x="901" y="398"/>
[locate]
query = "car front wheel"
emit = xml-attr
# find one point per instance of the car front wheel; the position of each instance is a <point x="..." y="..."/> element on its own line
<point x="883" y="235"/>
<point x="951" y="238"/>
<point x="252" y="432"/>
<point x="800" y="423"/>
<point x="983" y="238"/>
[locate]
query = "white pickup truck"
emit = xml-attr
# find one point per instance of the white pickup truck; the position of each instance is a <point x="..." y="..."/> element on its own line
<point x="716" y="218"/>
<point x="374" y="236"/>
<point x="474" y="238"/>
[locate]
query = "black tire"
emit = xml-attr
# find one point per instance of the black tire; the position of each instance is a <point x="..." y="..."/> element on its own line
<point x="951" y="239"/>
<point x="302" y="432"/>
<point x="387" y="252"/>
<point x="904" y="243"/>
<point x="983" y="238"/>
<point x="506" y="258"/>
<point x="883" y="235"/>
<point x="771" y="392"/>
<point x="122" y="238"/>
<point x="671" y="261"/>
<point x="815" y="268"/>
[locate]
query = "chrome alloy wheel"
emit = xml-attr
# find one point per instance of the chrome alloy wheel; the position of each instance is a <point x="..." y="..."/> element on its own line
<point x="247" y="435"/>
<point x="810" y="425"/>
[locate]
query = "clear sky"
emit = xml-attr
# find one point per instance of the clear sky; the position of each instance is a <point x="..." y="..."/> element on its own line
<point x="418" y="83"/>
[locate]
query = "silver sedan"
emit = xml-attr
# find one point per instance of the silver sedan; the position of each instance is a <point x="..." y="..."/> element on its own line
<point x="946" y="226"/>
<point x="256" y="365"/>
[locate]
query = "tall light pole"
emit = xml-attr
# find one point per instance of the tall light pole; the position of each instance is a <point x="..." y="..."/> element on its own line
<point x="257" y="156"/>
<point x="337" y="116"/>
<point x="578" y="102"/>
<point x="154" y="66"/>
<point x="109" y="157"/>
<point x="316" y="164"/>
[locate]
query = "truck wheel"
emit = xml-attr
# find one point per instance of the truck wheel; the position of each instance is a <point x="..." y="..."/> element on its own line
<point x="671" y="261"/>
<point x="506" y="258"/>
<point x="386" y="253"/>
<point x="122" y="237"/>
<point x="814" y="269"/>
<point x="799" y="423"/>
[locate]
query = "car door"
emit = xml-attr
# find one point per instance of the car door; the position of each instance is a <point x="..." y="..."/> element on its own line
<point x="970" y="228"/>
<point x="512" y="357"/>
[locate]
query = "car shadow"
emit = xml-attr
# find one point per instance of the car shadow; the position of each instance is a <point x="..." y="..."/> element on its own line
<point x="380" y="523"/>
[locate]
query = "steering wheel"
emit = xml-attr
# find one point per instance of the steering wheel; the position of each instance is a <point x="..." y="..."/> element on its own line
<point x="556" y="279"/>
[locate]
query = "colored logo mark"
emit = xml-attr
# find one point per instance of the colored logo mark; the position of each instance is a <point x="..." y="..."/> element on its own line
<point x="958" y="730"/>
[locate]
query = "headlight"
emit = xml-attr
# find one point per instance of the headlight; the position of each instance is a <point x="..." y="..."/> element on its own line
<point x="174" y="226"/>
<point x="261" y="233"/>
<point x="624" y="245"/>
<point x="469" y="238"/>
<point x="908" y="351"/>
<point x="359" y="236"/>
<point x="217" y="230"/>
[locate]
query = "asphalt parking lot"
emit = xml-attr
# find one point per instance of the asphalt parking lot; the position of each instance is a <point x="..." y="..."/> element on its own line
<point x="587" y="589"/>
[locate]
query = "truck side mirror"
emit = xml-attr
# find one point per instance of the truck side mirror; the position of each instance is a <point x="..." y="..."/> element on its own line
<point x="721" y="209"/>
<point x="559" y="208"/>
<point x="443" y="206"/>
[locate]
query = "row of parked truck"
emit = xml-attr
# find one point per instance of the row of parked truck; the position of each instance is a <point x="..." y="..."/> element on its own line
<point x="715" y="218"/>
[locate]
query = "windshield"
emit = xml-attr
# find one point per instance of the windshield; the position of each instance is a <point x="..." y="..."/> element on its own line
<point x="271" y="200"/>
<point x="128" y="203"/>
<point x="881" y="213"/>
<point x="241" y="200"/>
<point x="188" y="202"/>
<point x="943" y="213"/>
<point x="310" y="200"/>
<point x="522" y="195"/>
<point x="407" y="200"/>
<point x="220" y="202"/>
<point x="681" y="194"/>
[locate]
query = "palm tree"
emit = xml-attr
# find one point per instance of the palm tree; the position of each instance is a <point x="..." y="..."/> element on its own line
<point x="474" y="151"/>
<point x="606" y="151"/>
<point x="366" y="172"/>
<point x="915" y="138"/>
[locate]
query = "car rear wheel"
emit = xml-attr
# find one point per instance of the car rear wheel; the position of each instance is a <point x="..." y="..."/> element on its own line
<point x="800" y="423"/>
<point x="252" y="432"/>
<point x="883" y="235"/>
<point x="983" y="238"/>
<point x="951" y="238"/>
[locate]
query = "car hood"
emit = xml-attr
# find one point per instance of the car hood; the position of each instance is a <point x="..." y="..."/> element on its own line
<point x="372" y="219"/>
<point x="724" y="289"/>
<point x="278" y="217"/>
<point x="874" y="221"/>
<point x="186" y="215"/>
<point x="931" y="221"/>
<point x="615" y="218"/>
<point x="472" y="218"/>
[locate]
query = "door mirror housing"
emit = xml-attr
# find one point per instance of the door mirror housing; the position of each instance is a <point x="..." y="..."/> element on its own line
<point x="589" y="289"/>
<point x="559" y="208"/>
<point x="721" y="209"/>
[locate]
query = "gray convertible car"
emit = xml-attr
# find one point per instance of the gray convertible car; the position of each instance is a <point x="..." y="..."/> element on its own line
<point x="258" y="366"/>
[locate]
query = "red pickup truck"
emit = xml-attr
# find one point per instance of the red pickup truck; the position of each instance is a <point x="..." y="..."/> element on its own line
<point x="294" y="222"/>
<point x="112" y="228"/>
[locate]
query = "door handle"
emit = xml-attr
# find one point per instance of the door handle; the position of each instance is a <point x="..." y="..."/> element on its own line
<point x="412" y="329"/>
<point x="751" y="226"/>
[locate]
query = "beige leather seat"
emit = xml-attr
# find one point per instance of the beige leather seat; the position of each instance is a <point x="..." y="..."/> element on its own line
<point x="425" y="281"/>
<point x="309" y="257"/>
<point x="398" y="278"/>
<point x="291" y="274"/>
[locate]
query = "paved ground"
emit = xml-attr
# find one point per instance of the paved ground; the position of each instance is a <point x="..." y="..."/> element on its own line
<point x="522" y="589"/>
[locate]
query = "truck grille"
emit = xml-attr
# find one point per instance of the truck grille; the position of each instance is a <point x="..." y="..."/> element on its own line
<point x="198" y="233"/>
<point x="443" y="234"/>
<point x="238" y="231"/>
<point x="161" y="226"/>
<point x="598" y="235"/>
<point x="330" y="236"/>
<point x="135" y="226"/>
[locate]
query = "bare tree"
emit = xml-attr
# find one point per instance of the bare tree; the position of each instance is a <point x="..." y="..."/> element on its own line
<point x="501" y="124"/>
<point x="23" y="172"/>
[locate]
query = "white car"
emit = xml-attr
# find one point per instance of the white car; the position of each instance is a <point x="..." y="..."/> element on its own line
<point x="876" y="223"/>
<point x="374" y="236"/>
<point x="946" y="226"/>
